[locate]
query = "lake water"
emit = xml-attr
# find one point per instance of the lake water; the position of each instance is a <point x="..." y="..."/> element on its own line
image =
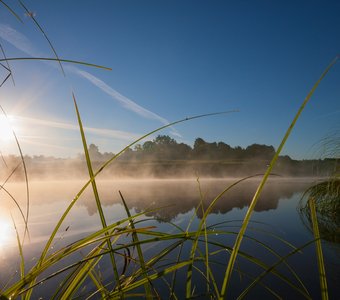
<point x="174" y="201"/>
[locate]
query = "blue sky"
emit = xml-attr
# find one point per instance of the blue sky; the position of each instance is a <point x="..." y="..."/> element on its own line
<point x="170" y="60"/>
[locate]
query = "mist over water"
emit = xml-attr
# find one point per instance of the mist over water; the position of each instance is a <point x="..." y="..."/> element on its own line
<point x="166" y="200"/>
<point x="179" y="196"/>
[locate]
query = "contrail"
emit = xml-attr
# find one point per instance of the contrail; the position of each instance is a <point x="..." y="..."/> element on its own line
<point x="19" y="41"/>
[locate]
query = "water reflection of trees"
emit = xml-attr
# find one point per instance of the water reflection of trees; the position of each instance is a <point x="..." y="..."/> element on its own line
<point x="179" y="197"/>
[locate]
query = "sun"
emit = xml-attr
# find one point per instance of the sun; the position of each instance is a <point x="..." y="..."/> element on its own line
<point x="6" y="132"/>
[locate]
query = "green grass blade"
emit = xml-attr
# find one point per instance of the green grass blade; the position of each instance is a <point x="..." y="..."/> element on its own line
<point x="153" y="277"/>
<point x="321" y="264"/>
<point x="3" y="159"/>
<point x="8" y="66"/>
<point x="21" y="253"/>
<point x="15" y="201"/>
<point x="3" y="82"/>
<point x="100" y="288"/>
<point x="95" y="190"/>
<point x="206" y="254"/>
<point x="83" y="271"/>
<point x="262" y="183"/>
<point x="210" y="277"/>
<point x="11" y="11"/>
<point x="25" y="174"/>
<point x="54" y="59"/>
<point x="147" y="287"/>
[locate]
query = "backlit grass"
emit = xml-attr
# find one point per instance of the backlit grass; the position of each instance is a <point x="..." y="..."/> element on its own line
<point x="135" y="274"/>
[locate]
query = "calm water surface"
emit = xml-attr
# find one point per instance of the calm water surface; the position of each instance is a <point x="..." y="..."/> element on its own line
<point x="275" y="216"/>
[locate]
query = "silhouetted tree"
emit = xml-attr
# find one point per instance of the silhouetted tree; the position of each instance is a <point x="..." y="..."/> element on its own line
<point x="260" y="151"/>
<point x="164" y="140"/>
<point x="205" y="150"/>
<point x="148" y="147"/>
<point x="181" y="151"/>
<point x="94" y="153"/>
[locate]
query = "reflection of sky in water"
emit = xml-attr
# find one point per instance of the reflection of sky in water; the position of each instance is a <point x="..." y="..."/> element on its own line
<point x="276" y="214"/>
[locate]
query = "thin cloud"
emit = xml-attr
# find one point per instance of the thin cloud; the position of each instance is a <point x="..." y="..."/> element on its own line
<point x="109" y="133"/>
<point x="19" y="41"/>
<point x="124" y="101"/>
<point x="16" y="39"/>
<point x="29" y="141"/>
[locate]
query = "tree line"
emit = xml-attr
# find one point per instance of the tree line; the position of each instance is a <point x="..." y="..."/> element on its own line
<point x="164" y="157"/>
<point x="163" y="147"/>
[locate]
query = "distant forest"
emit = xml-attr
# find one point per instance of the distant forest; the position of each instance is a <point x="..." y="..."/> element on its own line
<point x="165" y="157"/>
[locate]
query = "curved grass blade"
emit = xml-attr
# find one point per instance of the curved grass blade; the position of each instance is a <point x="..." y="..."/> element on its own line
<point x="15" y="201"/>
<point x="157" y="258"/>
<point x="321" y="264"/>
<point x="21" y="253"/>
<point x="11" y="11"/>
<point x="9" y="75"/>
<point x="25" y="174"/>
<point x="147" y="288"/>
<point x="59" y="60"/>
<point x="205" y="236"/>
<point x="8" y="66"/>
<point x="3" y="159"/>
<point x="83" y="271"/>
<point x="10" y="175"/>
<point x="152" y="277"/>
<point x="210" y="277"/>
<point x="100" y="288"/>
<point x="256" y="196"/>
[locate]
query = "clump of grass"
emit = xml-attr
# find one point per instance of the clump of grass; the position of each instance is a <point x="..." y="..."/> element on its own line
<point x="326" y="198"/>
